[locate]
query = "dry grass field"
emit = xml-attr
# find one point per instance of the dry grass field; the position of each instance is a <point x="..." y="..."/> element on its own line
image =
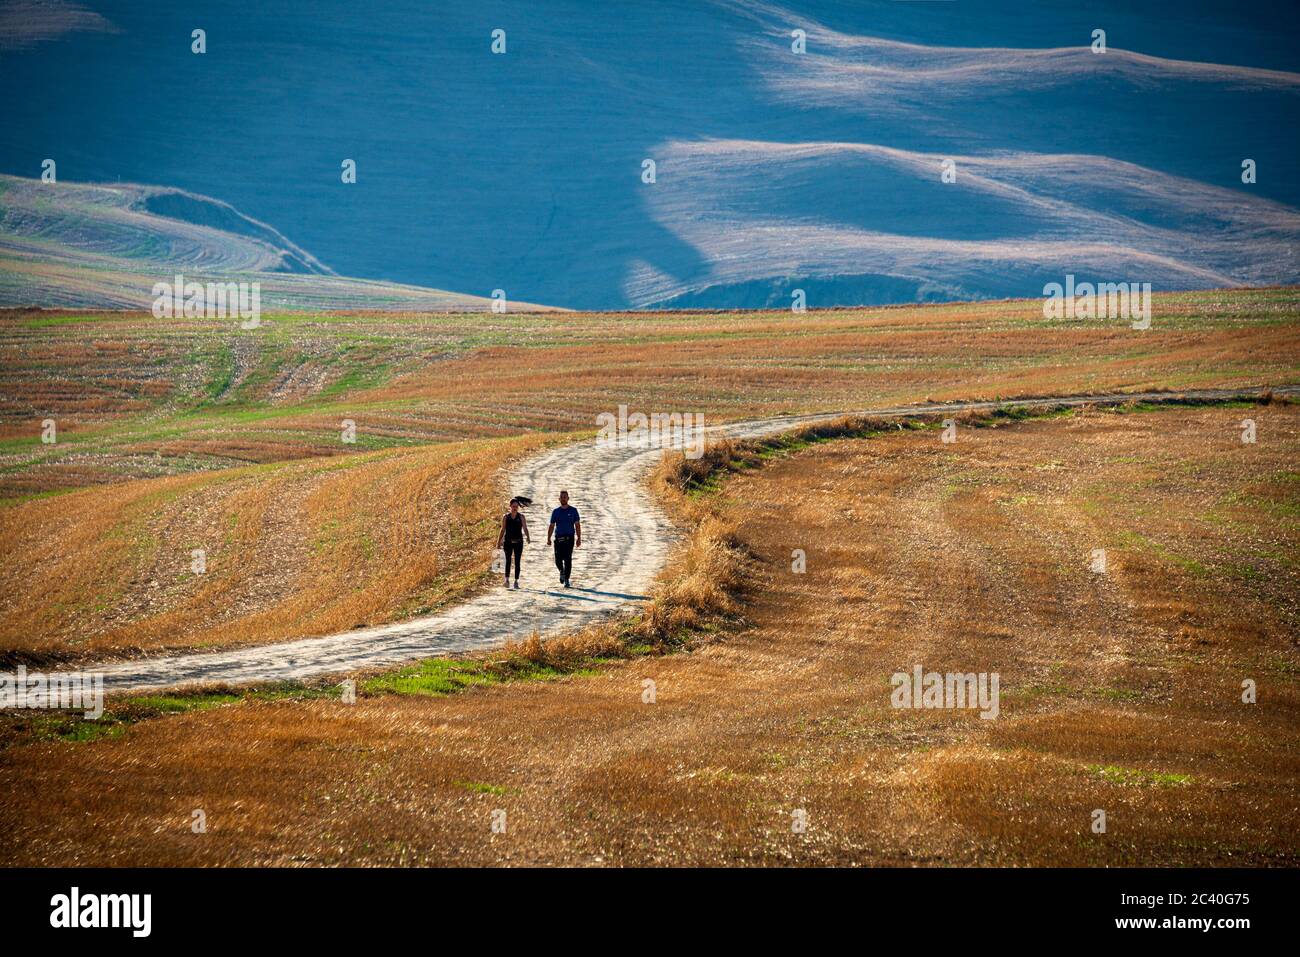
<point x="291" y="548"/>
<point x="1119" y="691"/>
<point x="137" y="397"/>
<point x="175" y="435"/>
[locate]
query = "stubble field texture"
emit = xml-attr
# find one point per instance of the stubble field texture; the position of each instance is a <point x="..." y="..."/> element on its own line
<point x="179" y="435"/>
<point x="1120" y="691"/>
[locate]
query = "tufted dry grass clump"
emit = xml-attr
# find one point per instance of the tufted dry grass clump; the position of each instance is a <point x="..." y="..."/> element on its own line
<point x="685" y="607"/>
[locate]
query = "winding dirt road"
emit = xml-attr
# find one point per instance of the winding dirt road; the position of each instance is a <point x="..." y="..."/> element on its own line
<point x="626" y="539"/>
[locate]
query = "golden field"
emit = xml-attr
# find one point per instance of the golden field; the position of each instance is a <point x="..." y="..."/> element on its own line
<point x="1119" y="691"/>
<point x="290" y="549"/>
<point x="174" y="435"/>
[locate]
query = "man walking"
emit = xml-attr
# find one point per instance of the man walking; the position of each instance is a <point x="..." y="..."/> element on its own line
<point x="567" y="528"/>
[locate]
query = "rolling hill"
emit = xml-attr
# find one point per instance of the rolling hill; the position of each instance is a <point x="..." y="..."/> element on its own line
<point x="775" y="169"/>
<point x="104" y="246"/>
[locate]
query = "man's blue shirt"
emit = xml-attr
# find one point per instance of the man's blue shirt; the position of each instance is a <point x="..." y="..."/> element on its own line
<point x="564" y="518"/>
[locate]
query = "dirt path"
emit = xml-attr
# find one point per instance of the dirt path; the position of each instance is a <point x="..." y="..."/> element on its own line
<point x="626" y="539"/>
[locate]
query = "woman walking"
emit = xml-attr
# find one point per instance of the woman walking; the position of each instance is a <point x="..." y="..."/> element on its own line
<point x="514" y="532"/>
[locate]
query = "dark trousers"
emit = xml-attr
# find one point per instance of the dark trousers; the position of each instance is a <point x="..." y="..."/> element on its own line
<point x="564" y="557"/>
<point x="515" y="550"/>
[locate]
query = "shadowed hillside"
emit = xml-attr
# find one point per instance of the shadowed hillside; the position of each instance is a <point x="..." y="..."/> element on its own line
<point x="775" y="169"/>
<point x="104" y="246"/>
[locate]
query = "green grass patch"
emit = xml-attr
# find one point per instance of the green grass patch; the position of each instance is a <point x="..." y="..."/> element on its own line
<point x="176" y="704"/>
<point x="436" y="677"/>
<point x="1117" y="694"/>
<point x="1141" y="542"/>
<point x="47" y="322"/>
<point x="477" y="787"/>
<point x="1135" y="777"/>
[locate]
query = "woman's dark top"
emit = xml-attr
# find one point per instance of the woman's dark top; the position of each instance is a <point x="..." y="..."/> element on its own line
<point x="514" y="528"/>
